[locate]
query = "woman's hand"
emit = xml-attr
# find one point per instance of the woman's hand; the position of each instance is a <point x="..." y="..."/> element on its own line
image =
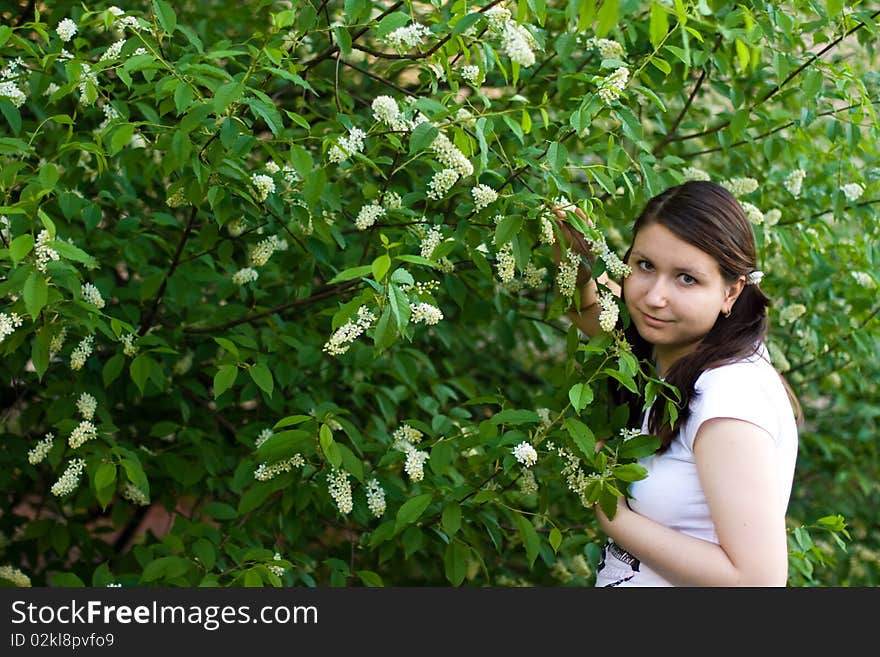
<point x="607" y="523"/>
<point x="575" y="240"/>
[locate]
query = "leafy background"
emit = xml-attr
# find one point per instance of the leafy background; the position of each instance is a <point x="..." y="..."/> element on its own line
<point x="135" y="144"/>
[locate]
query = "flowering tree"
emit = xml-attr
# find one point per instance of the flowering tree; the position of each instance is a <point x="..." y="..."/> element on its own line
<point x="279" y="303"/>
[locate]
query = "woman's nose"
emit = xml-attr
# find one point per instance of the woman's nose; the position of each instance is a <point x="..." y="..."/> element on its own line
<point x="656" y="295"/>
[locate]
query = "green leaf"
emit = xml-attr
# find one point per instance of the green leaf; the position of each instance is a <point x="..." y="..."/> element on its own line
<point x="262" y="376"/>
<point x="69" y="580"/>
<point x="183" y="97"/>
<point x="36" y="294"/>
<point x="20" y="247"/>
<point x="40" y="350"/>
<point x="204" y="551"/>
<point x="140" y="369"/>
<point x="455" y="563"/>
<point x="423" y="136"/>
<point x="165" y="15"/>
<point x="659" y="25"/>
<point x="329" y="446"/>
<point x="13" y="116"/>
<point x="269" y="113"/>
<point x="225" y="95"/>
<point x="629" y="472"/>
<point x="228" y="345"/>
<point x="514" y="416"/>
<point x="291" y="420"/>
<point x="451" y="518"/>
<point x="224" y="379"/>
<point x="530" y="539"/>
<point x="582" y="436"/>
<point x="369" y="578"/>
<point x="639" y="446"/>
<point x="72" y="252"/>
<point x="624" y="378"/>
<point x="380" y="267"/>
<point x="220" y="511"/>
<point x="507" y="228"/>
<point x="580" y="395"/>
<point x="399" y="303"/>
<point x="105" y="475"/>
<point x="135" y="473"/>
<point x="607" y="16"/>
<point x="555" y="539"/>
<point x="351" y="274"/>
<point x="48" y="176"/>
<point x="391" y="22"/>
<point x="112" y="368"/>
<point x="410" y="510"/>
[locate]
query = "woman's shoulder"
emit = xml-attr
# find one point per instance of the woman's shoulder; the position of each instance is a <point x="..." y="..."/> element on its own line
<point x="754" y="371"/>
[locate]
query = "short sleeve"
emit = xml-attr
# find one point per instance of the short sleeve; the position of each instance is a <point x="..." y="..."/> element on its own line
<point x="735" y="391"/>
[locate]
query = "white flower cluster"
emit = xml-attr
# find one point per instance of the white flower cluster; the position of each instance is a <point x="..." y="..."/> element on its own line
<point x="852" y="191"/>
<point x="87" y="75"/>
<point x="263" y="184"/>
<point x="392" y="201"/>
<point x="608" y="48"/>
<point x="440" y="183"/>
<point x="404" y="38"/>
<point x="86" y="405"/>
<point x="44" y="252"/>
<point x="265" y="434"/>
<point x="566" y="274"/>
<point x="425" y="312"/>
<point x="611" y="87"/>
<point x="450" y="156"/>
<point x="84" y="432"/>
<point x="39" y="451"/>
<point x="430" y="241"/>
<point x="790" y="313"/>
<point x="629" y="434"/>
<point x="385" y="109"/>
<point x="113" y="50"/>
<point x="525" y="454"/>
<point x="740" y="186"/>
<point x="128" y="346"/>
<point x="261" y="253"/>
<point x="122" y="21"/>
<point x="177" y="199"/>
<point x="57" y="341"/>
<point x="518" y="43"/>
<point x="546" y="235"/>
<point x="609" y="313"/>
<point x="271" y="167"/>
<point x="92" y="295"/>
<point x="265" y="472"/>
<point x="82" y="352"/>
<point x="375" y="498"/>
<point x="135" y="495"/>
<point x="505" y="265"/>
<point x="753" y="213"/>
<point x="15" y="576"/>
<point x="278" y="571"/>
<point x="342" y="337"/>
<point x="69" y="480"/>
<point x="692" y="173"/>
<point x="245" y="275"/>
<point x="340" y="490"/>
<point x="471" y="74"/>
<point x="772" y="217"/>
<point x="9" y="87"/>
<point x="534" y="277"/>
<point x="66" y="29"/>
<point x="575" y="478"/>
<point x="497" y="18"/>
<point x="368" y="215"/>
<point x="617" y="267"/>
<point x="347" y="146"/>
<point x="8" y="324"/>
<point x="864" y="279"/>
<point x="527" y="483"/>
<point x="407" y="434"/>
<point x="414" y="465"/>
<point x="483" y="196"/>
<point x="465" y="117"/>
<point x="794" y="181"/>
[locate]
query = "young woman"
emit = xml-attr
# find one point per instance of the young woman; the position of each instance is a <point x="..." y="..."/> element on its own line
<point x="711" y="511"/>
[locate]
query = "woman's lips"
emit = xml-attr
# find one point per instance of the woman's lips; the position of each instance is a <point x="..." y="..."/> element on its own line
<point x="655" y="322"/>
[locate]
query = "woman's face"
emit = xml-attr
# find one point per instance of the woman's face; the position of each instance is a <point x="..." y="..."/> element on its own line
<point x="674" y="293"/>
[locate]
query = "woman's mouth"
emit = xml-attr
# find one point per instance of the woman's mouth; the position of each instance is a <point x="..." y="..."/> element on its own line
<point x="655" y="322"/>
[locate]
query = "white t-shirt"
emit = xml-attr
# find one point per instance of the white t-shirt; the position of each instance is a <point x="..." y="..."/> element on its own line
<point x="671" y="495"/>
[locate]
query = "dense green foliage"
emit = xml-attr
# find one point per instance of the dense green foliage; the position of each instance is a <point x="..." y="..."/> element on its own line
<point x="261" y="252"/>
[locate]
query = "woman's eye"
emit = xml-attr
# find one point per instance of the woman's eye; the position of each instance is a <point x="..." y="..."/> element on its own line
<point x="645" y="265"/>
<point x="688" y="280"/>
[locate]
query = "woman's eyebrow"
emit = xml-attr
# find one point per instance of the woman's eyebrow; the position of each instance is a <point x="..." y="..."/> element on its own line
<point x="690" y="271"/>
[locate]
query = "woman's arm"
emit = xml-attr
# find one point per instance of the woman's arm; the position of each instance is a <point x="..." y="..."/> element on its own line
<point x="736" y="466"/>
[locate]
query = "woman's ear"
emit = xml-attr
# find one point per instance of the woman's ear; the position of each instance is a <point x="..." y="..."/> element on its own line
<point x="732" y="293"/>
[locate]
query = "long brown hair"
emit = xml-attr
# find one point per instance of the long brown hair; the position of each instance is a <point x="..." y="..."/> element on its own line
<point x="708" y="216"/>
